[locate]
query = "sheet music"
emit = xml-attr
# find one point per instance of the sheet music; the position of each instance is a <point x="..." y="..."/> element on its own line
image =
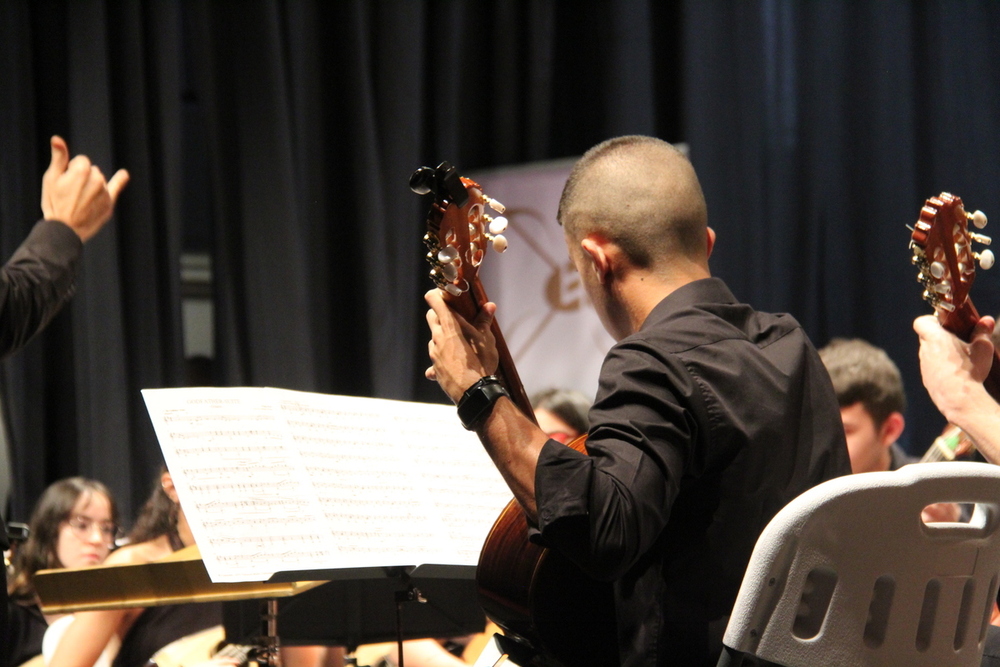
<point x="278" y="480"/>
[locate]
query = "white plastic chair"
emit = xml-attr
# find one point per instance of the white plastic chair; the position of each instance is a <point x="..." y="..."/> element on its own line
<point x="849" y="575"/>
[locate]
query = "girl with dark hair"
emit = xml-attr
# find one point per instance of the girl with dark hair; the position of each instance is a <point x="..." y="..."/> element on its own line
<point x="160" y="515"/>
<point x="74" y="524"/>
<point x="160" y="530"/>
<point x="562" y="413"/>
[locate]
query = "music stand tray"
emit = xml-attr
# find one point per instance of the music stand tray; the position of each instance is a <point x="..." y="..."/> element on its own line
<point x="178" y="578"/>
<point x="346" y="607"/>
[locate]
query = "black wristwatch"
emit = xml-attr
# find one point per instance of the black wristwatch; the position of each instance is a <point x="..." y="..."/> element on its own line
<point x="477" y="401"/>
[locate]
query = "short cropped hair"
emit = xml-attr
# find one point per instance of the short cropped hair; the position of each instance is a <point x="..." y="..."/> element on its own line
<point x="642" y="194"/>
<point x="864" y="373"/>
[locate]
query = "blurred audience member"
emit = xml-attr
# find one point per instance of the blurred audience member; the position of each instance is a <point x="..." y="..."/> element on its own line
<point x="562" y="413"/>
<point x="869" y="389"/>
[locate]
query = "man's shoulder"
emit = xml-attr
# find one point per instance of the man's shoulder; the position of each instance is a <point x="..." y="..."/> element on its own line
<point x="705" y="312"/>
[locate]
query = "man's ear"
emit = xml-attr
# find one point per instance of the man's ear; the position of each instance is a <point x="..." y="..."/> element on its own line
<point x="891" y="429"/>
<point x="710" y="239"/>
<point x="596" y="249"/>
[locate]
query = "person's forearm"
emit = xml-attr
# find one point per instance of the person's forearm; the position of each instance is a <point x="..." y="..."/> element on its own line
<point x="35" y="283"/>
<point x="979" y="416"/>
<point x="514" y="442"/>
<point x="85" y="638"/>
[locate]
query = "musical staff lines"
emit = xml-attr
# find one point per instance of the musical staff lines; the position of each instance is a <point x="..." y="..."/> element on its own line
<point x="274" y="479"/>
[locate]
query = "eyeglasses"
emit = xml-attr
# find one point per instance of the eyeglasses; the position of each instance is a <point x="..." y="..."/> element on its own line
<point x="84" y="526"/>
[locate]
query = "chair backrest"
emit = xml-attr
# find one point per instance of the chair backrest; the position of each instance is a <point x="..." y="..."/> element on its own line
<point x="848" y="574"/>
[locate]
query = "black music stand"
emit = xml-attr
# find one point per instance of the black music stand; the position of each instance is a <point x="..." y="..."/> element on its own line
<point x="355" y="606"/>
<point x="367" y="606"/>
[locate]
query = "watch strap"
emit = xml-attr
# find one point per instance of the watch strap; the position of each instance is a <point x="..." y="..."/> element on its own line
<point x="477" y="401"/>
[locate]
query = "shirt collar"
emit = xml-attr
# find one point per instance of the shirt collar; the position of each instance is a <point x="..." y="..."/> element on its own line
<point x="705" y="290"/>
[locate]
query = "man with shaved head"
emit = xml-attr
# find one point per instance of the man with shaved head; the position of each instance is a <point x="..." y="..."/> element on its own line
<point x="709" y="417"/>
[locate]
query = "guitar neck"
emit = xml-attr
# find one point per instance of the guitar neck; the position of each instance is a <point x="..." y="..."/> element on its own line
<point x="458" y="235"/>
<point x="469" y="305"/>
<point x="508" y="375"/>
<point x="962" y="323"/>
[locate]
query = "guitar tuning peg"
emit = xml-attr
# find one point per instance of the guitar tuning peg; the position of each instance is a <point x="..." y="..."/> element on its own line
<point x="978" y="219"/>
<point x="980" y="238"/>
<point x="937" y="270"/>
<point x="498" y="225"/>
<point x="986" y="259"/>
<point x="494" y="204"/>
<point x="447" y="254"/>
<point x="422" y="180"/>
<point x="500" y="243"/>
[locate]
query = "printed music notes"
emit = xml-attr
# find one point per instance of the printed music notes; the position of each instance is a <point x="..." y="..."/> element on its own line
<point x="276" y="480"/>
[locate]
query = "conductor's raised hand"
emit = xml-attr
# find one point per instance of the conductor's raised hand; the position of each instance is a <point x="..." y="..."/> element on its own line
<point x="75" y="192"/>
<point x="461" y="352"/>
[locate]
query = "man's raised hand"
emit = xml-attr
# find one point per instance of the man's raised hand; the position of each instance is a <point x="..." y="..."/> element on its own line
<point x="75" y="192"/>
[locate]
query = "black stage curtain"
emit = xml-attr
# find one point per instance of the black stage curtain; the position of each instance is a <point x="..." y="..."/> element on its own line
<point x="279" y="135"/>
<point x="818" y="130"/>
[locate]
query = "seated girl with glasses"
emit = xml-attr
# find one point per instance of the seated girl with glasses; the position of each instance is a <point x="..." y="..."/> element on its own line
<point x="74" y="524"/>
<point x="179" y="634"/>
<point x="133" y="635"/>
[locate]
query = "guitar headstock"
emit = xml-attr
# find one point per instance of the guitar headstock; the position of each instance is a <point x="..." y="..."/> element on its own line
<point x="458" y="227"/>
<point x="458" y="231"/>
<point x="942" y="249"/>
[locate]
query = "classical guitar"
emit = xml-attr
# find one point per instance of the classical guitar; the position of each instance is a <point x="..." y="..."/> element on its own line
<point x="199" y="647"/>
<point x="540" y="599"/>
<point x="941" y="243"/>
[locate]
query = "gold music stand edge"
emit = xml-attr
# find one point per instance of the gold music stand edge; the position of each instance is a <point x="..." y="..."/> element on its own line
<point x="179" y="578"/>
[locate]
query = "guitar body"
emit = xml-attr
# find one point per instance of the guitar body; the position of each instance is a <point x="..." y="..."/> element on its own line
<point x="542" y="599"/>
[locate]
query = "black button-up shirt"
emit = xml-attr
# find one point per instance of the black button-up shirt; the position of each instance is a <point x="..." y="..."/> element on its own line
<point x="36" y="281"/>
<point x="707" y="421"/>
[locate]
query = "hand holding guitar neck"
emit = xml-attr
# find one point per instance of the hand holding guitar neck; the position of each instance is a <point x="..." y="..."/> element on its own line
<point x="942" y="250"/>
<point x="458" y="233"/>
<point x="523" y="587"/>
